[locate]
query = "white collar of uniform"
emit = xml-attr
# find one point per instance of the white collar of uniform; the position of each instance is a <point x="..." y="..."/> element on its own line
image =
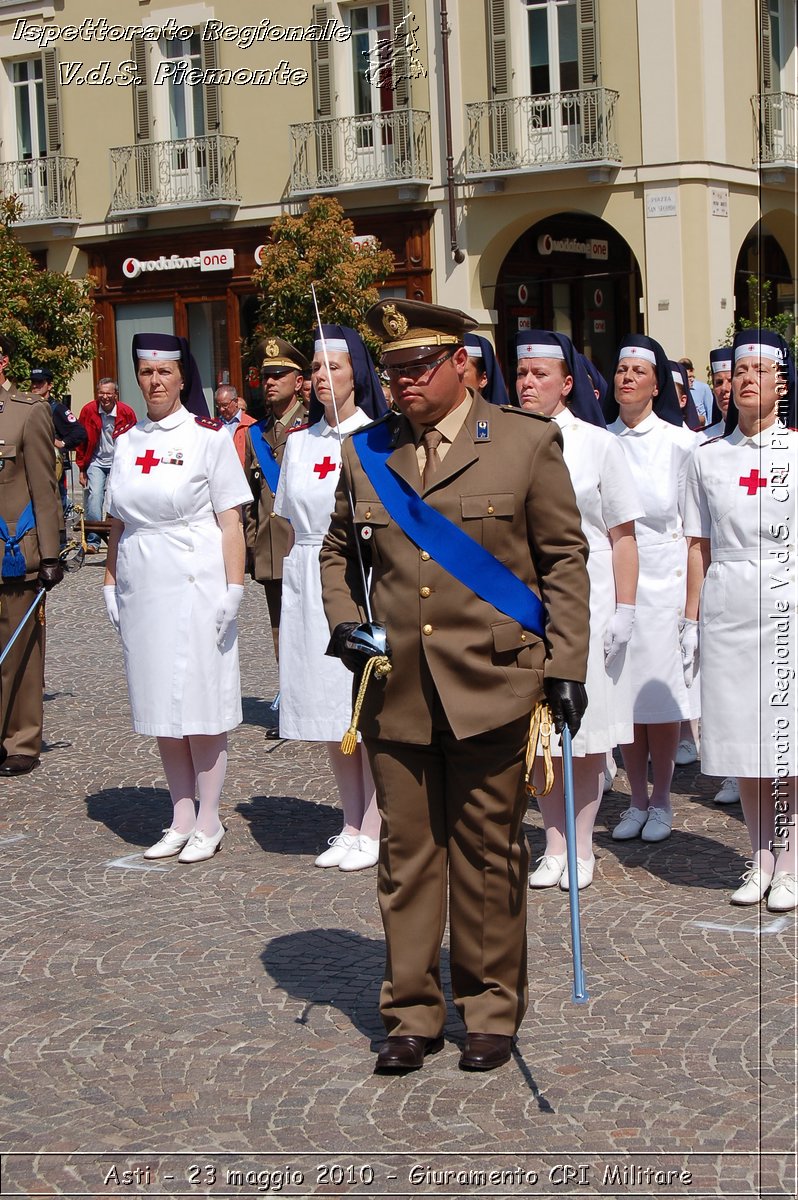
<point x="760" y="440"/>
<point x="179" y="417"/>
<point x="645" y="426"/>
<point x="565" y="418"/>
<point x="357" y="419"/>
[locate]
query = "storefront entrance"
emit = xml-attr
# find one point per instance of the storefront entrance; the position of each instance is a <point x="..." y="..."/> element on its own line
<point x="573" y="274"/>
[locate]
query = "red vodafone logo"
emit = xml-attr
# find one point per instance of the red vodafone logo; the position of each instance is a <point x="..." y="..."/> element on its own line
<point x="131" y="268"/>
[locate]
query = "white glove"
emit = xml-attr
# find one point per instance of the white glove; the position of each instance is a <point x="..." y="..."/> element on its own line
<point x="618" y="632"/>
<point x="227" y="611"/>
<point x="111" y="606"/>
<point x="688" y="642"/>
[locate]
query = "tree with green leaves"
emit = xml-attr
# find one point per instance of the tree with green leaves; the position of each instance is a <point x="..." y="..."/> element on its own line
<point x="48" y="316"/>
<point x="318" y="248"/>
<point x="760" y="301"/>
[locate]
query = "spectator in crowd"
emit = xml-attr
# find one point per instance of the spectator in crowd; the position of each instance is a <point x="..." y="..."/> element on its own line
<point x="235" y="419"/>
<point x="102" y="418"/>
<point x="69" y="432"/>
<point x="701" y="393"/>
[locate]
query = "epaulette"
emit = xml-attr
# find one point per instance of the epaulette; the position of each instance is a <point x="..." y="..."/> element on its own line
<point x="209" y="422"/>
<point x="524" y="412"/>
<point x="20" y="397"/>
<point x="296" y="429"/>
<point x="392" y="417"/>
<point x="123" y="429"/>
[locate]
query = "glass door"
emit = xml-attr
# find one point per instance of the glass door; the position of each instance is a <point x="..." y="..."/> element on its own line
<point x="553" y="70"/>
<point x="30" y="184"/>
<point x="372" y="75"/>
<point x="188" y="160"/>
<point x="207" y="336"/>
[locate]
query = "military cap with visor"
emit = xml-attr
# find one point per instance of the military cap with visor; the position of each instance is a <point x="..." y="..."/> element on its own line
<point x="411" y="330"/>
<point x="276" y="356"/>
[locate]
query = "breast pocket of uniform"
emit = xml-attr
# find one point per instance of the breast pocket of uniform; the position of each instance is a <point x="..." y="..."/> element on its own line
<point x="488" y="519"/>
<point x="370" y="518"/>
<point x="521" y="654"/>
<point x="721" y="493"/>
<point x="8" y="457"/>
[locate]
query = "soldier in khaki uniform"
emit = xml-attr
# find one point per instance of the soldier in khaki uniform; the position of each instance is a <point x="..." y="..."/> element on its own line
<point x="27" y="476"/>
<point x="283" y="371"/>
<point x="446" y="731"/>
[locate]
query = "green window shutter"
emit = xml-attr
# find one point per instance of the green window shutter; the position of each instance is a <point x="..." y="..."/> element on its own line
<point x="765" y="49"/>
<point x="322" y="66"/>
<point x="142" y="127"/>
<point x="52" y="101"/>
<point x="588" y="44"/>
<point x="498" y="50"/>
<point x="400" y="57"/>
<point x="211" y="91"/>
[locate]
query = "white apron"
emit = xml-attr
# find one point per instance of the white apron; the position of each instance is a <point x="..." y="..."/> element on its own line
<point x="658" y="455"/>
<point x="167" y="481"/>
<point x="315" y="690"/>
<point x="606" y="495"/>
<point x="743" y="495"/>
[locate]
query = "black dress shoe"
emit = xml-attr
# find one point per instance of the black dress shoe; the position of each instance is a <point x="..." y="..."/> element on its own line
<point x="18" y="764"/>
<point x="405" y="1053"/>
<point x="485" y="1051"/>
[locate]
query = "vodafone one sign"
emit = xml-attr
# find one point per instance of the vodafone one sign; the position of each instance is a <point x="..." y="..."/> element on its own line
<point x="207" y="260"/>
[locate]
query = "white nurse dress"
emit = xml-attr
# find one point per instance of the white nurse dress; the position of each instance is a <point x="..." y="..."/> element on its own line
<point x="315" y="689"/>
<point x="607" y="496"/>
<point x="168" y="480"/>
<point x="743" y="495"/>
<point x="658" y="455"/>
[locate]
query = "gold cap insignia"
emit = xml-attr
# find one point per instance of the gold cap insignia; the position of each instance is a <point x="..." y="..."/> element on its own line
<point x="271" y="349"/>
<point x="393" y="322"/>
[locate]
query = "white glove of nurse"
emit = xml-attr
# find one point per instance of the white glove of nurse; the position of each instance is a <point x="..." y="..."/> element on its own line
<point x="688" y="642"/>
<point x="618" y="632"/>
<point x="227" y="612"/>
<point x="111" y="606"/>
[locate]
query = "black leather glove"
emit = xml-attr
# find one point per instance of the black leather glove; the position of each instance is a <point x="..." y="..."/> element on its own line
<point x="355" y="643"/>
<point x="567" y="701"/>
<point x="50" y="573"/>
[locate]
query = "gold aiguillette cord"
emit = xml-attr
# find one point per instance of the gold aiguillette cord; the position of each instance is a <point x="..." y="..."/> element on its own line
<point x="540" y="727"/>
<point x="379" y="665"/>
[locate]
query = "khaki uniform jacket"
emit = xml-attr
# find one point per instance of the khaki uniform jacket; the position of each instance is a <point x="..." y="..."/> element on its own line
<point x="510" y="490"/>
<point x="267" y="534"/>
<point x="27" y="472"/>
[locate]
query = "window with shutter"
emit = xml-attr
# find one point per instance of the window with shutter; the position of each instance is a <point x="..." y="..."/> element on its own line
<point x="323" y="95"/>
<point x="141" y="91"/>
<point x="499" y="79"/>
<point x="52" y="99"/>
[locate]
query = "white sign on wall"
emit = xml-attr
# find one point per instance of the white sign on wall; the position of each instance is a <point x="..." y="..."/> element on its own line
<point x="661" y="203"/>
<point x="719" y="201"/>
<point x="206" y="260"/>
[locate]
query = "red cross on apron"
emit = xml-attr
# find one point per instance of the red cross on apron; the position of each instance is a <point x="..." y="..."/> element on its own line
<point x="147" y="462"/>
<point x="325" y="466"/>
<point x="753" y="482"/>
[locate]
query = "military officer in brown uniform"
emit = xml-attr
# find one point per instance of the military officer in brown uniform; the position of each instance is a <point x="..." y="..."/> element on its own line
<point x="28" y="502"/>
<point x="283" y="371"/>
<point x="446" y="730"/>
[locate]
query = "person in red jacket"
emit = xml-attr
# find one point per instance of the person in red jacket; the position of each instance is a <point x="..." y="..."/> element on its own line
<point x="101" y="418"/>
<point x="234" y="418"/>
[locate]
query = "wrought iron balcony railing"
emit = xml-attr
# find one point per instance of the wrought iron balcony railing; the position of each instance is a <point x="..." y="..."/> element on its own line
<point x="776" y="128"/>
<point x="539" y="131"/>
<point x="343" y="151"/>
<point x="186" y="173"/>
<point x="45" y="187"/>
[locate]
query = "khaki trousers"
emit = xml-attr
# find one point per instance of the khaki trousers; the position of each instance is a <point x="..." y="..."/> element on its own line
<point x="22" y="672"/>
<point x="452" y="828"/>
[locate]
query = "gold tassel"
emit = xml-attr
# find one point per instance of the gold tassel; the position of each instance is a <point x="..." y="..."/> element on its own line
<point x="540" y="727"/>
<point x="380" y="665"/>
<point x="40" y="612"/>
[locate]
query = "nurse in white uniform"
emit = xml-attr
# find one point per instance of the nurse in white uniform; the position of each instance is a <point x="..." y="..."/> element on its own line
<point x="658" y="452"/>
<point x="742" y="514"/>
<point x="550" y="379"/>
<point x="315" y="689"/>
<point x="173" y="583"/>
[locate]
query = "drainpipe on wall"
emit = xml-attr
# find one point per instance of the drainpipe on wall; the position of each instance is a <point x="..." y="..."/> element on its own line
<point x="457" y="253"/>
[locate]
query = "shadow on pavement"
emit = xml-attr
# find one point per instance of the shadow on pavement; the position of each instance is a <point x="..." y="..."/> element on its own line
<point x="288" y="825"/>
<point x="136" y="815"/>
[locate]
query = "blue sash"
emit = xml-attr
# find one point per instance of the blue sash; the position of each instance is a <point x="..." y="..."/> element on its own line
<point x="14" y="565"/>
<point x="265" y="456"/>
<point x="444" y="541"/>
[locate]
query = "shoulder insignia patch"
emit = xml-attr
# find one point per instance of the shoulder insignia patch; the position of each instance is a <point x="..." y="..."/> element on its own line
<point x="296" y="429"/>
<point x="123" y="429"/>
<point x="209" y="422"/>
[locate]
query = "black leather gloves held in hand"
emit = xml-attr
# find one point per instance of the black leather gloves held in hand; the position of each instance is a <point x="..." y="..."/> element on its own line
<point x="50" y="573"/>
<point x="355" y="644"/>
<point x="567" y="701"/>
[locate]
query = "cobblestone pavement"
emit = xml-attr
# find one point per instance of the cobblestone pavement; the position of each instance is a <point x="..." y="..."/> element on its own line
<point x="210" y="1029"/>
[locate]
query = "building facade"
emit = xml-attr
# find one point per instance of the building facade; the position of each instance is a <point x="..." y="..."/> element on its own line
<point x="593" y="166"/>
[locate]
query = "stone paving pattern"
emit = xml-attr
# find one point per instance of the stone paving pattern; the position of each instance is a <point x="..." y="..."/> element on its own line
<point x="231" y="1007"/>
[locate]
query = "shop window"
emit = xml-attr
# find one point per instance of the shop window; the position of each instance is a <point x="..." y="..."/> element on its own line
<point x="155" y="317"/>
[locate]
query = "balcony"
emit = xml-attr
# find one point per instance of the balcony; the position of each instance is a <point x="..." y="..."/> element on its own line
<point x="46" y="189"/>
<point x="775" y="130"/>
<point x="528" y="132"/>
<point x="188" y="173"/>
<point x="343" y="152"/>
